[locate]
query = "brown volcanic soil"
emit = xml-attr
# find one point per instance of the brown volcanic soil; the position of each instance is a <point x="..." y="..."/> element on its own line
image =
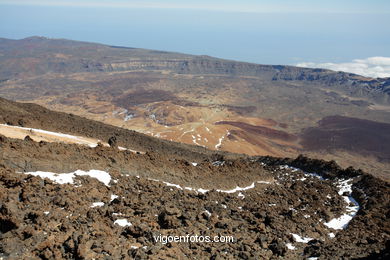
<point x="261" y="130"/>
<point x="167" y="95"/>
<point x="364" y="137"/>
<point x="35" y="116"/>
<point x="262" y="222"/>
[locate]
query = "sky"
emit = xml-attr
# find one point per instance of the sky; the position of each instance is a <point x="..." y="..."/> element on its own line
<point x="349" y="35"/>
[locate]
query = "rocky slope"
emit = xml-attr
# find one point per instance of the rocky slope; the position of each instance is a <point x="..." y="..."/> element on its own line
<point x="113" y="203"/>
<point x="213" y="103"/>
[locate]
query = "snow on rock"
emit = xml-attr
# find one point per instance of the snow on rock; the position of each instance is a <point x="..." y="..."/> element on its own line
<point x="46" y="212"/>
<point x="113" y="196"/>
<point x="101" y="176"/>
<point x="129" y="117"/>
<point x="264" y="182"/>
<point x="307" y="174"/>
<point x="194" y="164"/>
<point x="60" y="178"/>
<point x="331" y="235"/>
<point x="218" y="163"/>
<point x="207" y="213"/>
<point x="202" y="190"/>
<point x="64" y="178"/>
<point x="172" y="185"/>
<point x="122" y="222"/>
<point x="345" y="187"/>
<point x="240" y="195"/>
<point x="300" y="239"/>
<point x="219" y="144"/>
<point x="238" y="189"/>
<point x="97" y="204"/>
<point x="290" y="246"/>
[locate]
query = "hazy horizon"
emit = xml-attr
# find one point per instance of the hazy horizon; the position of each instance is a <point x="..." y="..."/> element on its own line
<point x="346" y="35"/>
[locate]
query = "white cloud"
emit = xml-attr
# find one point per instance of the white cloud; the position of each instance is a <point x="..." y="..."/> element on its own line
<point x="375" y="67"/>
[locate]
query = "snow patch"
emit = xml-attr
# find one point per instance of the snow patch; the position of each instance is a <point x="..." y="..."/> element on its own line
<point x="300" y="239"/>
<point x="207" y="213"/>
<point x="345" y="187"/>
<point x="240" y="195"/>
<point x="97" y="204"/>
<point x="113" y="196"/>
<point x="65" y="178"/>
<point x="219" y="144"/>
<point x="122" y="222"/>
<point x="238" y="189"/>
<point x="290" y="246"/>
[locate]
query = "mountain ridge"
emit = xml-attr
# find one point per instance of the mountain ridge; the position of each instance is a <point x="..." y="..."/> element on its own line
<point x="182" y="98"/>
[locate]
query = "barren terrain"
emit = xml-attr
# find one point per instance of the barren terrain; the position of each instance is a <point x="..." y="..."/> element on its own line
<point x="200" y="100"/>
<point x="63" y="195"/>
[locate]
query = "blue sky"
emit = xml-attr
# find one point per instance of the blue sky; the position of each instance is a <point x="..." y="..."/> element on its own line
<point x="267" y="32"/>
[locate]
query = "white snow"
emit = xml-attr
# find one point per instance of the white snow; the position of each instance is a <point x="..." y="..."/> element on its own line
<point x="300" y="239"/>
<point x="207" y="212"/>
<point x="290" y="246"/>
<point x="186" y="132"/>
<point x="128" y="117"/>
<point x="46" y="212"/>
<point x="113" y="196"/>
<point x="307" y="174"/>
<point x="97" y="204"/>
<point x="238" y="189"/>
<point x="194" y="163"/>
<point x="61" y="178"/>
<point x="342" y="222"/>
<point x="172" y="185"/>
<point x="194" y="140"/>
<point x="202" y="190"/>
<point x="64" y="178"/>
<point x="264" y="182"/>
<point x="218" y="163"/>
<point x="218" y="145"/>
<point x="331" y="235"/>
<point x="122" y="222"/>
<point x="101" y="176"/>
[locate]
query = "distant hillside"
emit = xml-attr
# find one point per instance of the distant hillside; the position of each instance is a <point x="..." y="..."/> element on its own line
<point x="40" y="55"/>
<point x="212" y="103"/>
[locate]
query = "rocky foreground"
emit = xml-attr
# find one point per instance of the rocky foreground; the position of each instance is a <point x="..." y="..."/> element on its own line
<point x="118" y="202"/>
